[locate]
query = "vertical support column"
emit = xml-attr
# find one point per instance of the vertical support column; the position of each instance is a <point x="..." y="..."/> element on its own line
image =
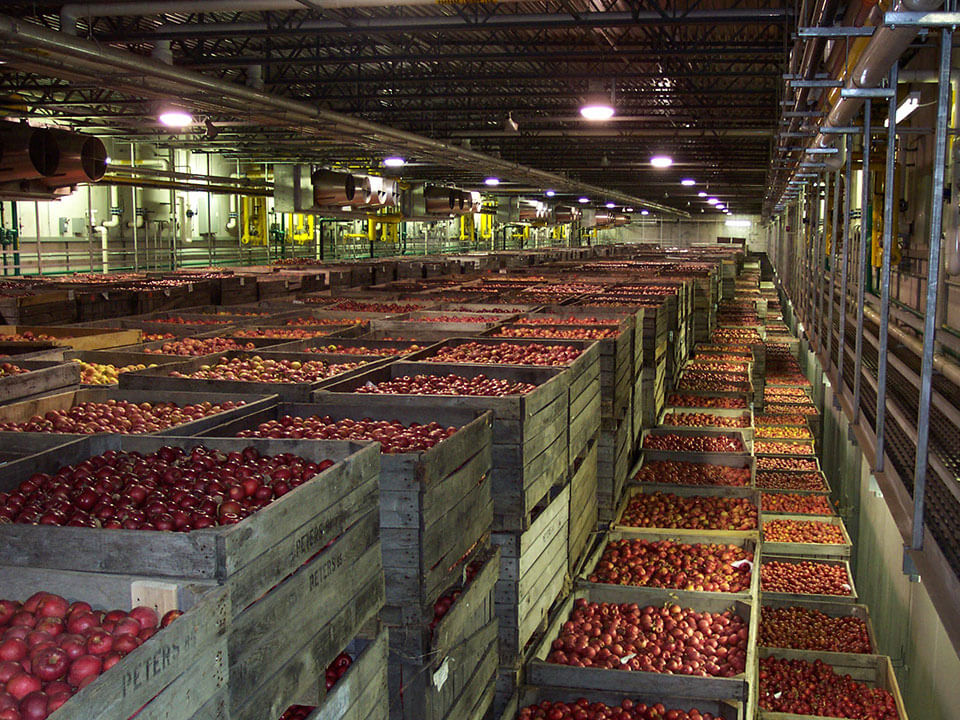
<point x="888" y="240"/>
<point x="933" y="288"/>
<point x="834" y="243"/>
<point x="841" y="340"/>
<point x="817" y="315"/>
<point x="864" y="251"/>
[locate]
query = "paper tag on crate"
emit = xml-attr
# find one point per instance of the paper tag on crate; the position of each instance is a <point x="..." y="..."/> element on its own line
<point x="740" y="563"/>
<point x="441" y="674"/>
<point x="627" y="658"/>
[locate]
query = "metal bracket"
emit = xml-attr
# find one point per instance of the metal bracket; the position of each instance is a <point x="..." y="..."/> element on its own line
<point x="823" y="151"/>
<point x="883" y="93"/>
<point x="910" y="568"/>
<point x="815" y="83"/>
<point x="846" y="130"/>
<point x="834" y="32"/>
<point x="922" y="19"/>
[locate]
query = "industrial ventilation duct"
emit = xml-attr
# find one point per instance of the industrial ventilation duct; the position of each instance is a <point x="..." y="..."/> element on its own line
<point x="444" y="201"/>
<point x="48" y="159"/>
<point x="333" y="188"/>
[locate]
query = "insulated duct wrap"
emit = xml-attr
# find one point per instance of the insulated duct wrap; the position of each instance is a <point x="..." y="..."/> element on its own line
<point x="27" y="153"/>
<point x="333" y="188"/>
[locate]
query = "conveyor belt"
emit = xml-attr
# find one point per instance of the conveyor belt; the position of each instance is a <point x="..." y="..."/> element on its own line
<point x="941" y="507"/>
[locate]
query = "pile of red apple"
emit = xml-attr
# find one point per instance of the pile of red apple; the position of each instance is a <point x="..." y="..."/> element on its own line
<point x="800" y="687"/>
<point x="795" y="504"/>
<point x="50" y="649"/>
<point x="671" y="639"/>
<point x="803" y="531"/>
<point x="546" y="331"/>
<point x="741" y="336"/>
<point x="666" y="510"/>
<point x="718" y="366"/>
<point x="169" y="489"/>
<point x="507" y="354"/>
<point x="151" y="337"/>
<point x="689" y="473"/>
<point x="583" y="709"/>
<point x="806" y="577"/>
<point x="772" y="447"/>
<point x="198" y="346"/>
<point x="693" y="443"/>
<point x="311" y="320"/>
<point x="692" y="384"/>
<point x="447" y="385"/>
<point x="284" y="333"/>
<point x="773" y="480"/>
<point x="801" y="628"/>
<point x="27" y="336"/>
<point x="780" y="409"/>
<point x="337" y="669"/>
<point x="393" y="436"/>
<point x="446" y="601"/>
<point x="707" y="402"/>
<point x="770" y="420"/>
<point x="118" y="416"/>
<point x="376" y="307"/>
<point x="669" y="564"/>
<point x="571" y="320"/>
<point x="177" y="320"/>
<point x="783" y="378"/>
<point x="9" y="370"/>
<point x="780" y="462"/>
<point x="787" y="432"/>
<point x="258" y="369"/>
<point x="443" y="318"/>
<point x="694" y="419"/>
<point x="362" y="350"/>
<point x="706" y="375"/>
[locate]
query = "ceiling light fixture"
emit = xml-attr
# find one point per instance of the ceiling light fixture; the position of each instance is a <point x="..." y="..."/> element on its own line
<point x="905" y="109"/>
<point x="175" y="118"/>
<point x="394" y="161"/>
<point x="550" y="193"/>
<point x="597" y="106"/>
<point x="701" y="194"/>
<point x="720" y="206"/>
<point x="611" y="205"/>
<point x="661" y="161"/>
<point x="688" y="182"/>
<point x="583" y="200"/>
<point x="644" y="212"/>
<point x="492" y="181"/>
<point x="712" y="201"/>
<point x="737" y="223"/>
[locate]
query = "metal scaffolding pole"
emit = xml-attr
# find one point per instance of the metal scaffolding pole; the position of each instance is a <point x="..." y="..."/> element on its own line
<point x="864" y="250"/>
<point x="888" y="240"/>
<point x="848" y="177"/>
<point x="833" y="265"/>
<point x="933" y="288"/>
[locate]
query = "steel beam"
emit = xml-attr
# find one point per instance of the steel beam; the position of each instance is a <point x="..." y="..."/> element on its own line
<point x="864" y="253"/>
<point x="848" y="176"/>
<point x="933" y="288"/>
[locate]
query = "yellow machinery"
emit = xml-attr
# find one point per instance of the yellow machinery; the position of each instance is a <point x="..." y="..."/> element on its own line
<point x="876" y="249"/>
<point x="559" y="232"/>
<point x="486" y="227"/>
<point x="302" y="228"/>
<point x="253" y="221"/>
<point x="468" y="230"/>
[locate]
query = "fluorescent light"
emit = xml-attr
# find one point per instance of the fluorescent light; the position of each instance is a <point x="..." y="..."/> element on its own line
<point x="611" y="205"/>
<point x="584" y="200"/>
<point x="701" y="194"/>
<point x="712" y="201"/>
<point x="737" y="223"/>
<point x="720" y="206"/>
<point x="910" y="103"/>
<point x="688" y="182"/>
<point x="644" y="212"/>
<point x="492" y="181"/>
<point x="597" y="112"/>
<point x="394" y="162"/>
<point x="550" y="193"/>
<point x="661" y="161"/>
<point x="175" y="118"/>
<point x="629" y="210"/>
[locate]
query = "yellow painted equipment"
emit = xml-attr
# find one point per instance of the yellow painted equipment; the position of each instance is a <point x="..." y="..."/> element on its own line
<point x="253" y="221"/>
<point x="876" y="245"/>
<point x="302" y="228"/>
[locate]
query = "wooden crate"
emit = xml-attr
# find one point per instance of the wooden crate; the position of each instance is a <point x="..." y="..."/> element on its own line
<point x="873" y="670"/>
<point x="747" y="543"/>
<point x="103" y="304"/>
<point x="543" y="674"/>
<point x="173" y="673"/>
<point x="824" y="491"/>
<point x="583" y="379"/>
<point x="691" y="456"/>
<point x="449" y="675"/>
<point x="811" y="550"/>
<point x="187" y="294"/>
<point x="614" y="451"/>
<point x="685" y="491"/>
<point x="584" y="499"/>
<point x="832" y="609"/>
<point x="801" y="598"/>
<point x="744" y="415"/>
<point x="530" y="695"/>
<point x="14" y="446"/>
<point x="64" y="400"/>
<point x="160" y="380"/>
<point x="251" y="556"/>
<point x="74" y="337"/>
<point x="43" y="307"/>
<point x="529" y="431"/>
<point x="532" y="575"/>
<point x="435" y="505"/>
<point x="277" y="657"/>
<point x="42" y="376"/>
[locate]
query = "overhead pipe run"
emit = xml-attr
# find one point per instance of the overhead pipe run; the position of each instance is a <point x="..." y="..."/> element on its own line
<point x="59" y="52"/>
